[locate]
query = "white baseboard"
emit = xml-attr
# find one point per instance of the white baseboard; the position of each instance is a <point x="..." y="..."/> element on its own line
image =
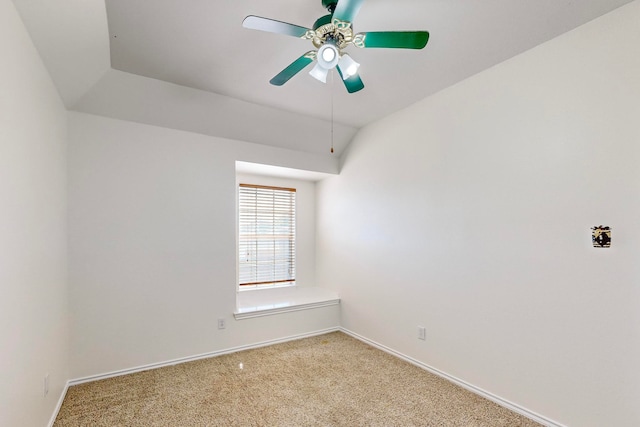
<point x="59" y="405"/>
<point x="477" y="390"/>
<point x="196" y="357"/>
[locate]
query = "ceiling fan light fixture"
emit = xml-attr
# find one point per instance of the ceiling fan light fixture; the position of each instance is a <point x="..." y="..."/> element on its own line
<point x="319" y="72"/>
<point x="348" y="66"/>
<point x="328" y="56"/>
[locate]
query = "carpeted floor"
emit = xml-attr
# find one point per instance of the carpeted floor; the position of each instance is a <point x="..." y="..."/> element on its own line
<point x="328" y="380"/>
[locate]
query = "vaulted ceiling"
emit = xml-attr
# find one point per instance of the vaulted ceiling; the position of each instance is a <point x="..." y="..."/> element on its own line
<point x="190" y="65"/>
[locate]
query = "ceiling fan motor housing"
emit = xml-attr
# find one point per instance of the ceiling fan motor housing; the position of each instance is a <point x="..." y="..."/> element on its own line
<point x="324" y="20"/>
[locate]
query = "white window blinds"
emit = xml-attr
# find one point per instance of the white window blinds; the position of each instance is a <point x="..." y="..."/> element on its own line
<point x="266" y="235"/>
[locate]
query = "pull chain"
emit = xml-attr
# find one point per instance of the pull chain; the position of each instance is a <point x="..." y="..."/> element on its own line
<point x="332" y="111"/>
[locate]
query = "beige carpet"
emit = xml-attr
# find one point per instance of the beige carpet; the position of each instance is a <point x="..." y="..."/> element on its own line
<point x="328" y="380"/>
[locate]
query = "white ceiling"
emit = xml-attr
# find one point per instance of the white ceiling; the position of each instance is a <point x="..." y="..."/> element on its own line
<point x="204" y="72"/>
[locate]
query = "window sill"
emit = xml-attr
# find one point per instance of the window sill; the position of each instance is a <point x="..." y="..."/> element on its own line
<point x="267" y="302"/>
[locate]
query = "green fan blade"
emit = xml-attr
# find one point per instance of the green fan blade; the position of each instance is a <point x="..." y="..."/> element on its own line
<point x="293" y="69"/>
<point x="392" y="39"/>
<point x="353" y="83"/>
<point x="273" y="26"/>
<point x="346" y="10"/>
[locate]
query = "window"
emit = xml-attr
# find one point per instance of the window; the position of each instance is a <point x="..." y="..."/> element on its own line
<point x="266" y="236"/>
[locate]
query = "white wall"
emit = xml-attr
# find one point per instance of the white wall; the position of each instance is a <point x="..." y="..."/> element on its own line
<point x="469" y="213"/>
<point x="305" y="222"/>
<point x="33" y="252"/>
<point x="153" y="246"/>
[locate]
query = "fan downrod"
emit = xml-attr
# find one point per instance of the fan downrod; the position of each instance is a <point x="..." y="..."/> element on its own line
<point x="330" y="5"/>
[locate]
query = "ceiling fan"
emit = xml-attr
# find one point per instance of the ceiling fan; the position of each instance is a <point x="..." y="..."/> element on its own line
<point x="330" y="35"/>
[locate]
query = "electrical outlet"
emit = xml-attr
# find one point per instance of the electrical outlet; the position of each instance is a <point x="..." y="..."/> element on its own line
<point x="422" y="333"/>
<point x="222" y="323"/>
<point x="46" y="384"/>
